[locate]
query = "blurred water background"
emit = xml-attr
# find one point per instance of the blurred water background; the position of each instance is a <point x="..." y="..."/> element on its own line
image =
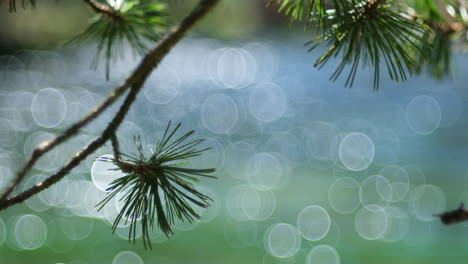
<point x="309" y="171"/>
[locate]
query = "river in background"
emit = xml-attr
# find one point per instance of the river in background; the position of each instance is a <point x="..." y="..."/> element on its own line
<point x="309" y="171"/>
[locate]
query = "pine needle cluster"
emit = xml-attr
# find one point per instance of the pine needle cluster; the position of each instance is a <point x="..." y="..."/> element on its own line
<point x="159" y="189"/>
<point x="134" y="23"/>
<point x="405" y="37"/>
<point x="371" y="33"/>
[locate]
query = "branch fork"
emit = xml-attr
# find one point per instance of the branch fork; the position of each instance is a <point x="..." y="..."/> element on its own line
<point x="158" y="187"/>
<point x="134" y="83"/>
<point x="104" y="10"/>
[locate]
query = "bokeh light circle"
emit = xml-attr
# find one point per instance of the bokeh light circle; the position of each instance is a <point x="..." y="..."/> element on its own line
<point x="104" y="172"/>
<point x="236" y="68"/>
<point x="219" y="113"/>
<point x="323" y="254"/>
<point x="267" y="102"/>
<point x="283" y="240"/>
<point x="375" y="190"/>
<point x="313" y="223"/>
<point x="30" y="232"/>
<point x="399" y="180"/>
<point x="213" y="158"/>
<point x="356" y="151"/>
<point x="371" y="223"/>
<point x="343" y="195"/>
<point x="49" y="107"/>
<point x="127" y="257"/>
<point x="423" y="114"/>
<point x="244" y="203"/>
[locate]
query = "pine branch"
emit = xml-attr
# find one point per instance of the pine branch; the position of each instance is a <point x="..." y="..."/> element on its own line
<point x="116" y="148"/>
<point x="361" y="32"/>
<point x="135" y="81"/>
<point x="73" y="130"/>
<point x="296" y="9"/>
<point x="104" y="10"/>
<point x="149" y="180"/>
<point x="368" y="33"/>
<point x="138" y="23"/>
<point x="358" y="31"/>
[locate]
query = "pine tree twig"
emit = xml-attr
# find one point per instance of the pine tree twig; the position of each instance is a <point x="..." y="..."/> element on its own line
<point x="136" y="24"/>
<point x="455" y="216"/>
<point x="115" y="146"/>
<point x="39" y="152"/>
<point x="370" y="33"/>
<point x="135" y="81"/>
<point x="158" y="189"/>
<point x="104" y="10"/>
<point x="74" y="129"/>
<point x="124" y="166"/>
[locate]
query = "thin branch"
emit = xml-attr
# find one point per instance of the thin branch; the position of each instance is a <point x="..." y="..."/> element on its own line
<point x="115" y="147"/>
<point x="456" y="216"/>
<point x="104" y="10"/>
<point x="136" y="80"/>
<point x="43" y="149"/>
<point x="125" y="166"/>
<point x="40" y="151"/>
<point x="148" y="180"/>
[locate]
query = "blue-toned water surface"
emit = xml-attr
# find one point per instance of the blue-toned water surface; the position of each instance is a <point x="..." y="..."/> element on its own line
<point x="308" y="171"/>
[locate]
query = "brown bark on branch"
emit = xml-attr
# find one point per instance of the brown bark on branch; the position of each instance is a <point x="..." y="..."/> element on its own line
<point x="104" y="10"/>
<point x="74" y="129"/>
<point x="39" y="152"/>
<point x="134" y="82"/>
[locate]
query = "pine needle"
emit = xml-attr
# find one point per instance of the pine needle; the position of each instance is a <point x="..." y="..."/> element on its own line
<point x="159" y="189"/>
<point x="136" y="23"/>
<point x="371" y="33"/>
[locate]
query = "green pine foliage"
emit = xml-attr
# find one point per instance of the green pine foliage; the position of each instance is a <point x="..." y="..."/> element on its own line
<point x="405" y="37"/>
<point x="159" y="189"/>
<point x="137" y="24"/>
<point x="300" y="9"/>
<point x="370" y="33"/>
